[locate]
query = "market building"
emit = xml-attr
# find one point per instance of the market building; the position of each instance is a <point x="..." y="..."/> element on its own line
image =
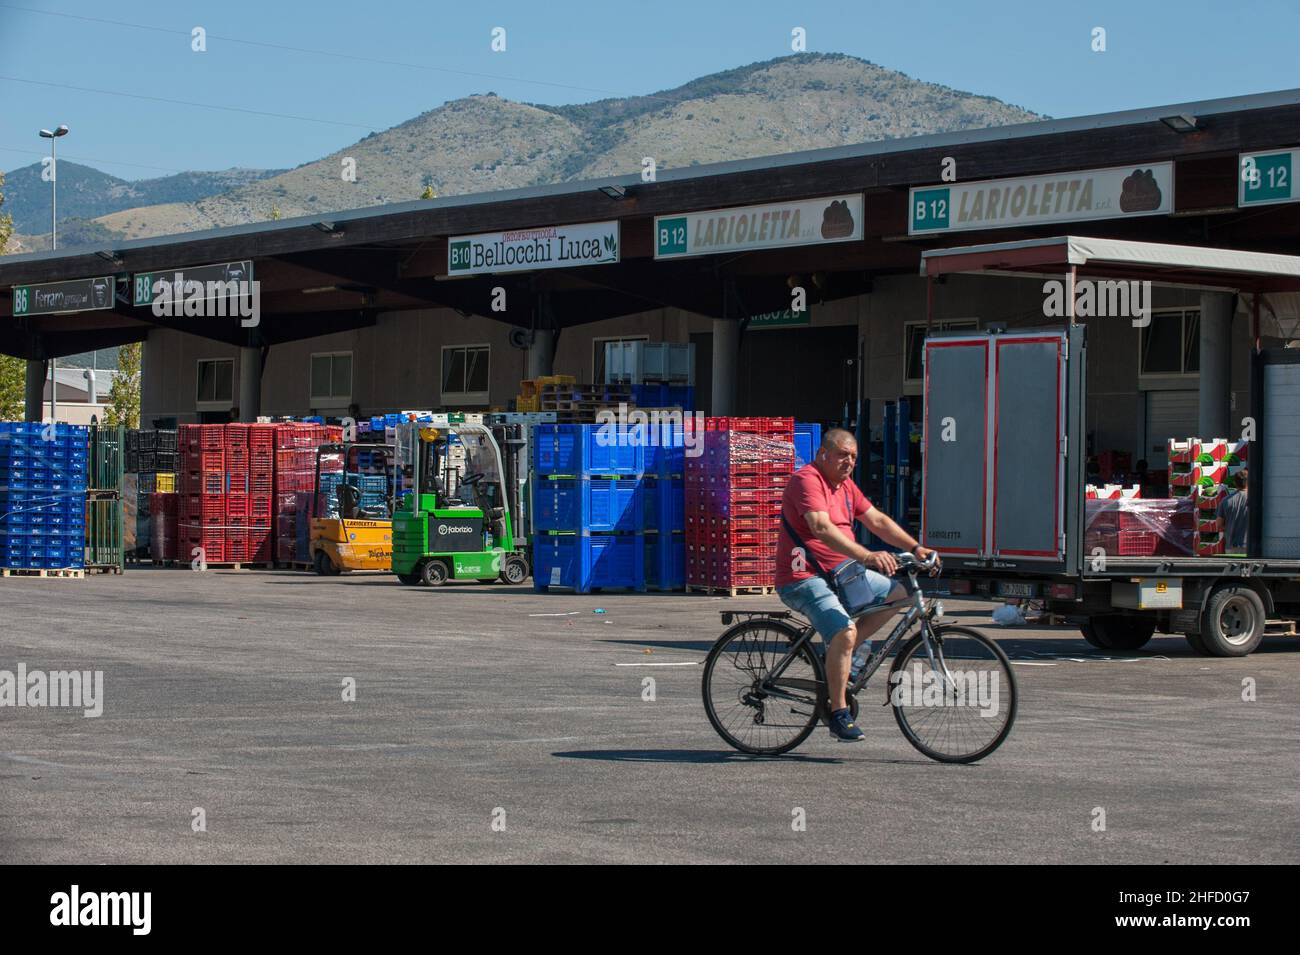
<point x="449" y="303"/>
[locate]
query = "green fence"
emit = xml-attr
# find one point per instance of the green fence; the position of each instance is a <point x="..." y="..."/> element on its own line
<point x="104" y="515"/>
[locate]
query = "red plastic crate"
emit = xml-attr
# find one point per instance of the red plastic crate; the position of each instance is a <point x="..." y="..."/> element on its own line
<point x="205" y="482"/>
<point x="236" y="505"/>
<point x="261" y="461"/>
<point x="261" y="437"/>
<point x="237" y="459"/>
<point x="1138" y="543"/>
<point x="237" y="546"/>
<point x="212" y="437"/>
<point x="205" y="460"/>
<point x="259" y="508"/>
<point x="261" y="482"/>
<point x="236" y="436"/>
<point x="237" y="482"/>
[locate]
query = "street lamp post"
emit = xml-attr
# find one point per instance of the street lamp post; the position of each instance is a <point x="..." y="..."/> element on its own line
<point x="53" y="137"/>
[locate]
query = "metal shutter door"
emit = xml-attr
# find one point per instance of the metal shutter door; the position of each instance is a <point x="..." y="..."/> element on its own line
<point x="1171" y="414"/>
<point x="1280" y="536"/>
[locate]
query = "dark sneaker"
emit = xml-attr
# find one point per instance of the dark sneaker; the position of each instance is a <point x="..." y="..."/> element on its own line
<point x="843" y="728"/>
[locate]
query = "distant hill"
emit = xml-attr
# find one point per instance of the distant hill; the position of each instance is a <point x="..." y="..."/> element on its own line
<point x="483" y="143"/>
<point x="86" y="193"/>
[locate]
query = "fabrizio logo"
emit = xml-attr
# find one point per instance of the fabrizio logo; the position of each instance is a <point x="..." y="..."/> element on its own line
<point x="103" y="908"/>
<point x="454" y="529"/>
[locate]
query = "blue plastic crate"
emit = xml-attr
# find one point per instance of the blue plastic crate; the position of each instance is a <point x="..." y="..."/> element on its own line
<point x="584" y="563"/>
<point x="586" y="505"/>
<point x="807" y="439"/>
<point x="586" y="450"/>
<point x="664" y="504"/>
<point x="665" y="561"/>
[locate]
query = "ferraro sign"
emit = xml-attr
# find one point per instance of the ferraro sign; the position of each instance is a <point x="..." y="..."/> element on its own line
<point x="1119" y="192"/>
<point x="550" y="247"/>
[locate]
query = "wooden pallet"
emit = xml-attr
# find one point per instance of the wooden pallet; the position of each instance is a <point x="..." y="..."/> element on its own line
<point x="104" y="569"/>
<point x="241" y="565"/>
<point x="74" y="572"/>
<point x="294" y="565"/>
<point x="585" y="392"/>
<point x="730" y="591"/>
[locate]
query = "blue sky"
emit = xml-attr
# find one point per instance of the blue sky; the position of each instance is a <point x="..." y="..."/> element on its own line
<point x="415" y="56"/>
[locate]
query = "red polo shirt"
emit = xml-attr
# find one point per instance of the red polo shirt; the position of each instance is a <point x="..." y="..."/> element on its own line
<point x="808" y="491"/>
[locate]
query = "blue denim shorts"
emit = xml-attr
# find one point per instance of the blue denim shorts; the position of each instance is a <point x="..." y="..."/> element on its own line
<point x="815" y="600"/>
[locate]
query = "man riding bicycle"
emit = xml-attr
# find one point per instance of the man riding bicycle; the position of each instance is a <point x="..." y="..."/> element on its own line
<point x="820" y="505"/>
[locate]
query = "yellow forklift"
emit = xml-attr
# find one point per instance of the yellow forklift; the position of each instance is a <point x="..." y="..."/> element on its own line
<point x="352" y="526"/>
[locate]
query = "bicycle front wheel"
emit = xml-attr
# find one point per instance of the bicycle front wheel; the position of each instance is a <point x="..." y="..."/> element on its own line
<point x="751" y="710"/>
<point x="956" y="702"/>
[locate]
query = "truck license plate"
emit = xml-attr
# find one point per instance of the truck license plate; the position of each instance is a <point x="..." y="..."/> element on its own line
<point x="1007" y="588"/>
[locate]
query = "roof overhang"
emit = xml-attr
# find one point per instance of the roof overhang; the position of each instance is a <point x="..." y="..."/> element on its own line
<point x="1183" y="265"/>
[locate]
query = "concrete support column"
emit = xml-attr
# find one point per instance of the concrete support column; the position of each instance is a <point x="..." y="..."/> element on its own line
<point x="726" y="355"/>
<point x="250" y="383"/>
<point x="541" y="353"/>
<point x="1216" y="364"/>
<point x="34" y="393"/>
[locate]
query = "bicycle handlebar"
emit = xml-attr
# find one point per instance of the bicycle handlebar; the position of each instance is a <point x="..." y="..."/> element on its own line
<point x="909" y="562"/>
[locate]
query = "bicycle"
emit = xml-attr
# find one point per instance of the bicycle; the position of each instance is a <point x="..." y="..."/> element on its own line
<point x="763" y="678"/>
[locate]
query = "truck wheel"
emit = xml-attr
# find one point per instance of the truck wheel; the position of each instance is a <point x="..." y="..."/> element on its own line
<point x="433" y="573"/>
<point x="1118" y="631"/>
<point x="1197" y="644"/>
<point x="1232" y="624"/>
<point x="515" y="569"/>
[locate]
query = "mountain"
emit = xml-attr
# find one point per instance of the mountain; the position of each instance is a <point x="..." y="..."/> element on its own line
<point x="87" y="193"/>
<point x="482" y="143"/>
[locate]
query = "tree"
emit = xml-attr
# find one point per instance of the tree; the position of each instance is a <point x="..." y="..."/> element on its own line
<point x="124" y="395"/>
<point x="13" y="371"/>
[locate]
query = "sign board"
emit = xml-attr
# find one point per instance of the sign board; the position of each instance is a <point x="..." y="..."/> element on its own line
<point x="1116" y="193"/>
<point x="784" y="318"/>
<point x="551" y="247"/>
<point x="1267" y="178"/>
<point x="144" y="285"/>
<point x="54" y="298"/>
<point x="769" y="226"/>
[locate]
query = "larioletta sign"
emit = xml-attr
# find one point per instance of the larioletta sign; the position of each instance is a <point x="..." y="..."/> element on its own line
<point x="1119" y="192"/>
<point x="770" y="226"/>
<point x="550" y="247"/>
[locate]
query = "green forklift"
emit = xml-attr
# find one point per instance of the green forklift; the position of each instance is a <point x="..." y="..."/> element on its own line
<point x="457" y="522"/>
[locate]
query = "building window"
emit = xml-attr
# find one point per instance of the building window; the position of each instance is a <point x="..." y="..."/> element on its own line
<point x="1171" y="344"/>
<point x="914" y="343"/>
<point x="598" y="354"/>
<point x="465" y="374"/>
<point x="331" y="378"/>
<point x="216" y="381"/>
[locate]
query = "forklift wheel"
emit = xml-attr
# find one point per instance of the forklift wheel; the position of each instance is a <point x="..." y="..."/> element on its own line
<point x="515" y="569"/>
<point x="433" y="573"/>
<point x="324" y="566"/>
<point x="409" y="579"/>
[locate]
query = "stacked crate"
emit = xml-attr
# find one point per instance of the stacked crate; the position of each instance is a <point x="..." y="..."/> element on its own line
<point x="663" y="497"/>
<point x="201" y="513"/>
<point x="1206" y="471"/>
<point x="588" y="511"/>
<point x="162" y="529"/>
<point x="43" y="472"/>
<point x="295" y="477"/>
<point x="733" y="503"/>
<point x="150" y="465"/>
<point x="575" y="403"/>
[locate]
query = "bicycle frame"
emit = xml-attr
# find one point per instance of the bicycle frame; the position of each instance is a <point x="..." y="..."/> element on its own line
<point x="919" y="610"/>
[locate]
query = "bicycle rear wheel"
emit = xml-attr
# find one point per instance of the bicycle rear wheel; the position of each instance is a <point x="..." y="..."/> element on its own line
<point x="752" y="714"/>
<point x="959" y="715"/>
